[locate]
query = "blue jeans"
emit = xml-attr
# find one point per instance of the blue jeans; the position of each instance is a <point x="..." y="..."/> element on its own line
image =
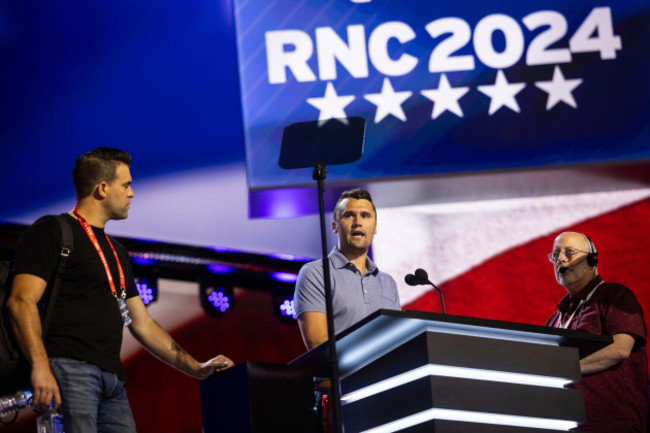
<point x="93" y="399"/>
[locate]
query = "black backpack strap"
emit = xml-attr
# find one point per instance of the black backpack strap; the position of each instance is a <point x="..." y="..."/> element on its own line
<point x="67" y="241"/>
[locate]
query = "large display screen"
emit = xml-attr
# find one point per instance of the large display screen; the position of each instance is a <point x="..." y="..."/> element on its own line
<point x="446" y="87"/>
<point x="157" y="80"/>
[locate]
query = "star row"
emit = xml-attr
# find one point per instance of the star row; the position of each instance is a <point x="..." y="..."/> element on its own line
<point x="445" y="98"/>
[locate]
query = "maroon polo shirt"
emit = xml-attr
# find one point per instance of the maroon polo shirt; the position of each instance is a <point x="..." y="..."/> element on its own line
<point x="616" y="400"/>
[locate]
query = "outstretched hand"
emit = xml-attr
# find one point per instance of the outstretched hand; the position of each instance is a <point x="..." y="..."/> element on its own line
<point x="218" y="363"/>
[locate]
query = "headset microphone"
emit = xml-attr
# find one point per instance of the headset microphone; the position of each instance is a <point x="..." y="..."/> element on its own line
<point x="563" y="269"/>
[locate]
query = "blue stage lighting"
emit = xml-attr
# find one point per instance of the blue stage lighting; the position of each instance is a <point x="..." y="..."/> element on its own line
<point x="216" y="299"/>
<point x="284" y="277"/>
<point x="217" y="268"/>
<point x="287" y="309"/>
<point x="283" y="308"/>
<point x="219" y="301"/>
<point x="143" y="260"/>
<point x="290" y="257"/>
<point x="148" y="289"/>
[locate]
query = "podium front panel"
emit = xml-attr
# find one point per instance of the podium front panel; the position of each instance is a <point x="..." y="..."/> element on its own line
<point x="467" y="354"/>
<point x="444" y="426"/>
<point x="484" y="401"/>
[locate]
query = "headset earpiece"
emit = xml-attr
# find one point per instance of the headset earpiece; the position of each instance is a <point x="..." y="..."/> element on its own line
<point x="592" y="257"/>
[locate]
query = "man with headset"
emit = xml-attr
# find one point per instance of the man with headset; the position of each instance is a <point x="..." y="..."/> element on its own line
<point x="615" y="378"/>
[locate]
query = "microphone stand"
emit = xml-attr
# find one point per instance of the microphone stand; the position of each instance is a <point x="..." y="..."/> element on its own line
<point x="422" y="277"/>
<point x="442" y="298"/>
<point x="316" y="144"/>
<point x="320" y="172"/>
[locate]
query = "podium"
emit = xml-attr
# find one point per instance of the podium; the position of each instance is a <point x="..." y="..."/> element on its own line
<point x="426" y="372"/>
<point x="257" y="397"/>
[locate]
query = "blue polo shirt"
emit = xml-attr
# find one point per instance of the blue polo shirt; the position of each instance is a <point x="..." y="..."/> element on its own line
<point x="354" y="296"/>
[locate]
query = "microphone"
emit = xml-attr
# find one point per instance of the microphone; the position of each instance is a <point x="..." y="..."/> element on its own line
<point x="411" y="280"/>
<point x="421" y="277"/>
<point x="563" y="269"/>
<point x="415" y="280"/>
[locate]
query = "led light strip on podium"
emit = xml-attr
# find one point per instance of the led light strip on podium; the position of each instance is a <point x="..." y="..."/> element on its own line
<point x="423" y="372"/>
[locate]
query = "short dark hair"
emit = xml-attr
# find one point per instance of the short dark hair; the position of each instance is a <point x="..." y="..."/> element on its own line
<point x="95" y="166"/>
<point x="356" y="193"/>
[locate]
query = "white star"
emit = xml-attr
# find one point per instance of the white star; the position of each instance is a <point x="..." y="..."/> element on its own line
<point x="388" y="102"/>
<point x="502" y="93"/>
<point x="559" y="89"/>
<point x="445" y="98"/>
<point x="331" y="105"/>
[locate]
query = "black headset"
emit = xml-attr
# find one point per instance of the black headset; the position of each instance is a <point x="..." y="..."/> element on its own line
<point x="592" y="256"/>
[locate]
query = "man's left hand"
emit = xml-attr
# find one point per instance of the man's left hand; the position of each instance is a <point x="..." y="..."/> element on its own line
<point x="218" y="363"/>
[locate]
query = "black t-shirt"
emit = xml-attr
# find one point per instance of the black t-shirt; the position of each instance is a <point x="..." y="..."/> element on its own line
<point x="86" y="324"/>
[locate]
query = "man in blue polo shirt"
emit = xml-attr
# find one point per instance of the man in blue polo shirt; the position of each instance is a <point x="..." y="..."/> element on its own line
<point x="358" y="287"/>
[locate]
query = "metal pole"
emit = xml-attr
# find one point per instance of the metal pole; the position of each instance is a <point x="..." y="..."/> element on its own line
<point x="320" y="171"/>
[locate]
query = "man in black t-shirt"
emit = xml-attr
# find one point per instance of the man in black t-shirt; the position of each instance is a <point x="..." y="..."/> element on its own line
<point x="78" y="365"/>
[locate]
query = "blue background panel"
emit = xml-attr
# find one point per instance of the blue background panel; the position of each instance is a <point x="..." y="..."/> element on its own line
<point x="607" y="124"/>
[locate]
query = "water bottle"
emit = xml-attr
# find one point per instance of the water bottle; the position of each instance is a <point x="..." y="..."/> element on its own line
<point x="13" y="403"/>
<point x="50" y="421"/>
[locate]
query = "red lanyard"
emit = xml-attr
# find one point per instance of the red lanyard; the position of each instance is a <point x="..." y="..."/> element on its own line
<point x="93" y="239"/>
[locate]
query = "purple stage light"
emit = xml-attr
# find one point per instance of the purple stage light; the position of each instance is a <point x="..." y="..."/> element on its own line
<point x="143" y="260"/>
<point x="287" y="309"/>
<point x="285" y="277"/>
<point x="216" y="298"/>
<point x="216" y="268"/>
<point x="219" y="301"/>
<point x="290" y="257"/>
<point x="221" y="249"/>
<point x="147" y="289"/>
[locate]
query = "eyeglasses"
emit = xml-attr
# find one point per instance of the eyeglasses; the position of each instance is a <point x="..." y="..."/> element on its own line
<point x="570" y="253"/>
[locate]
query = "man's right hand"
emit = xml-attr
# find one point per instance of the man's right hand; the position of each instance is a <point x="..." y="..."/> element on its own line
<point x="46" y="389"/>
<point x="26" y="291"/>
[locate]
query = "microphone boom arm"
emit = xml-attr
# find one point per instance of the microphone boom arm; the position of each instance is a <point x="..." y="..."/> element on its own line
<point x="442" y="298"/>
